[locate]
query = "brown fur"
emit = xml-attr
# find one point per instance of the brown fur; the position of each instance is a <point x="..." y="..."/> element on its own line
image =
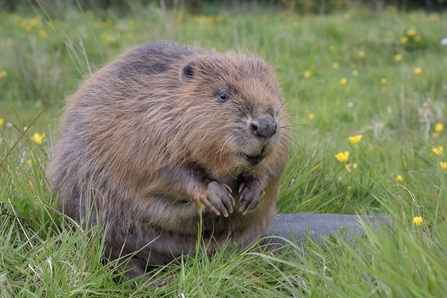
<point x="147" y="139"/>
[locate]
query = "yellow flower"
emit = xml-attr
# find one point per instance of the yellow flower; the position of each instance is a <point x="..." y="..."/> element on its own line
<point x="348" y="168"/>
<point x="2" y="121"/>
<point x="417" y="70"/>
<point x="383" y="80"/>
<point x="443" y="165"/>
<point x="411" y="32"/>
<point x="37" y="138"/>
<point x="438" y="151"/>
<point x="331" y="48"/>
<point x="418" y="221"/>
<point x="355" y="139"/>
<point x="398" y="57"/>
<point x="29" y="162"/>
<point x="342" y="156"/>
<point x="109" y="38"/>
<point x="3" y="74"/>
<point x="417" y="38"/>
<point x="439" y="127"/>
<point x="36" y="21"/>
<point x="307" y="74"/>
<point x="107" y="23"/>
<point x="403" y="39"/>
<point x="433" y="16"/>
<point x="311" y="116"/>
<point x="361" y="54"/>
<point x="399" y="178"/>
<point x="389" y="33"/>
<point x="335" y="65"/>
<point x="343" y="81"/>
<point x="43" y="33"/>
<point x="355" y="73"/>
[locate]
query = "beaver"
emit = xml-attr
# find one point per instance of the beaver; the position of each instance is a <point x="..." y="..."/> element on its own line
<point x="168" y="142"/>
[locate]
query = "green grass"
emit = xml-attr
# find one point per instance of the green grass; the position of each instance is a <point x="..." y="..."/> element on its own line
<point x="395" y="109"/>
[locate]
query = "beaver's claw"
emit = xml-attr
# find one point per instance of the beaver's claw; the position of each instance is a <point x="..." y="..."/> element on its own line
<point x="218" y="198"/>
<point x="250" y="194"/>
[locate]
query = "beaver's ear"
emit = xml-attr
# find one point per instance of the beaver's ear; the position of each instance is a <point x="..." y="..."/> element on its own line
<point x="188" y="71"/>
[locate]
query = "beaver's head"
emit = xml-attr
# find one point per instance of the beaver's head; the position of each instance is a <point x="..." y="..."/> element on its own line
<point x="234" y="107"/>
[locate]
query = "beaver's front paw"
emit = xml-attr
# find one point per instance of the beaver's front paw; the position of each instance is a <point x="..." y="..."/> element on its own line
<point x="250" y="193"/>
<point x="217" y="198"/>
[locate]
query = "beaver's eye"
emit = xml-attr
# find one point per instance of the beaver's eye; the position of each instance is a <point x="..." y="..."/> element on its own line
<point x="222" y="97"/>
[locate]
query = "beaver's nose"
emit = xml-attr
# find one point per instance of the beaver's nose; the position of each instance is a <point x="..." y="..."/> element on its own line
<point x="263" y="126"/>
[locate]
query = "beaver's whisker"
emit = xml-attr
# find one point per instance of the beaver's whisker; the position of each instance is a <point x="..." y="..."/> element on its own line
<point x="221" y="155"/>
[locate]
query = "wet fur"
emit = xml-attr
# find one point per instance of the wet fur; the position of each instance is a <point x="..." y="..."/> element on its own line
<point x="145" y="136"/>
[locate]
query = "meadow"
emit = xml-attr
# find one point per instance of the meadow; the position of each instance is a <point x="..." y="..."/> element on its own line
<point x="366" y="95"/>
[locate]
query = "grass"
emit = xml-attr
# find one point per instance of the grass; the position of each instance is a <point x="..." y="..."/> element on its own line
<point x="343" y="74"/>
